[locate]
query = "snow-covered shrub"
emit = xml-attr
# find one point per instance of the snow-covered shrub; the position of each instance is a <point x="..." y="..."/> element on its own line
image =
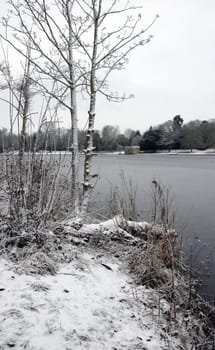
<point x="152" y="262"/>
<point x="38" y="263"/>
<point x="33" y="192"/>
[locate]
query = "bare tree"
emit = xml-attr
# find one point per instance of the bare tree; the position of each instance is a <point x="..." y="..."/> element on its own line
<point x="31" y="185"/>
<point x="76" y="45"/>
<point x="19" y="98"/>
<point x="116" y="31"/>
<point x="49" y="28"/>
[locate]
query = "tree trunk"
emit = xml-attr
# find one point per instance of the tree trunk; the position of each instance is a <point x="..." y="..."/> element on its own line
<point x="24" y="109"/>
<point x="74" y="119"/>
<point x="75" y="157"/>
<point x="87" y="184"/>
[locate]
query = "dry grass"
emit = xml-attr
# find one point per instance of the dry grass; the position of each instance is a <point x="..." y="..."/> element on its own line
<point x="38" y="263"/>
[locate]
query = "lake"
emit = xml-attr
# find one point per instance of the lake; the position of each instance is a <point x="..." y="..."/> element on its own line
<point x="192" y="181"/>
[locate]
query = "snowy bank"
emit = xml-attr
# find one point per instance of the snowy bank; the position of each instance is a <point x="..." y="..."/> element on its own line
<point x="88" y="299"/>
<point x="84" y="306"/>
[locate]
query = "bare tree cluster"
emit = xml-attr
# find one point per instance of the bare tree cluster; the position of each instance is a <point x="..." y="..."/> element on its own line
<point x="67" y="48"/>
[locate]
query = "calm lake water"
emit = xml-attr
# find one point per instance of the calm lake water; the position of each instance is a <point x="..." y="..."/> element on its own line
<point x="192" y="180"/>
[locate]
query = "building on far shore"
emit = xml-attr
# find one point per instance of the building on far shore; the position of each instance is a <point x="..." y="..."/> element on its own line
<point x="132" y="149"/>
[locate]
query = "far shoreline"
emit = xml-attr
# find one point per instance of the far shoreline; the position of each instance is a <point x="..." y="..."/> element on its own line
<point x="208" y="152"/>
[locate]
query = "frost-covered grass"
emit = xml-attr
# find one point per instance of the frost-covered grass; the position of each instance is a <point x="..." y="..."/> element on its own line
<point x="82" y="288"/>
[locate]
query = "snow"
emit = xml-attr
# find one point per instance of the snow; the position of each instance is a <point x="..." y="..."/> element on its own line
<point x="84" y="306"/>
<point x="109" y="226"/>
<point x="89" y="301"/>
<point x="184" y="152"/>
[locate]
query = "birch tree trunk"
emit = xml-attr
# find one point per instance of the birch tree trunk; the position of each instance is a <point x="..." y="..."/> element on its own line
<point x="87" y="184"/>
<point x="74" y="117"/>
<point x="75" y="157"/>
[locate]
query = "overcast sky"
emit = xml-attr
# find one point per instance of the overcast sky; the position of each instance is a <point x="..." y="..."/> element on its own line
<point x="174" y="74"/>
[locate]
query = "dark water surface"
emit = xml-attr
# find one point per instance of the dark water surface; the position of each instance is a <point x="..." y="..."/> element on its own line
<point x="192" y="180"/>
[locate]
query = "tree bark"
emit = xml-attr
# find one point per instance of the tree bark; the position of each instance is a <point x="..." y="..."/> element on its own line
<point x="87" y="184"/>
<point x="74" y="118"/>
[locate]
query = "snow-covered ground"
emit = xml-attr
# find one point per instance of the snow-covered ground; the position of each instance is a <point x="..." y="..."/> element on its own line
<point x="89" y="301"/>
<point x="86" y="305"/>
<point x="195" y="152"/>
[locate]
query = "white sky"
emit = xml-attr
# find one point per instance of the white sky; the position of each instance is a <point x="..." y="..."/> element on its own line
<point x="174" y="74"/>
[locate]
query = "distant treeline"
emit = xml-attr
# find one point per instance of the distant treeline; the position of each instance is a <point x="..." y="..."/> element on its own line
<point x="173" y="134"/>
